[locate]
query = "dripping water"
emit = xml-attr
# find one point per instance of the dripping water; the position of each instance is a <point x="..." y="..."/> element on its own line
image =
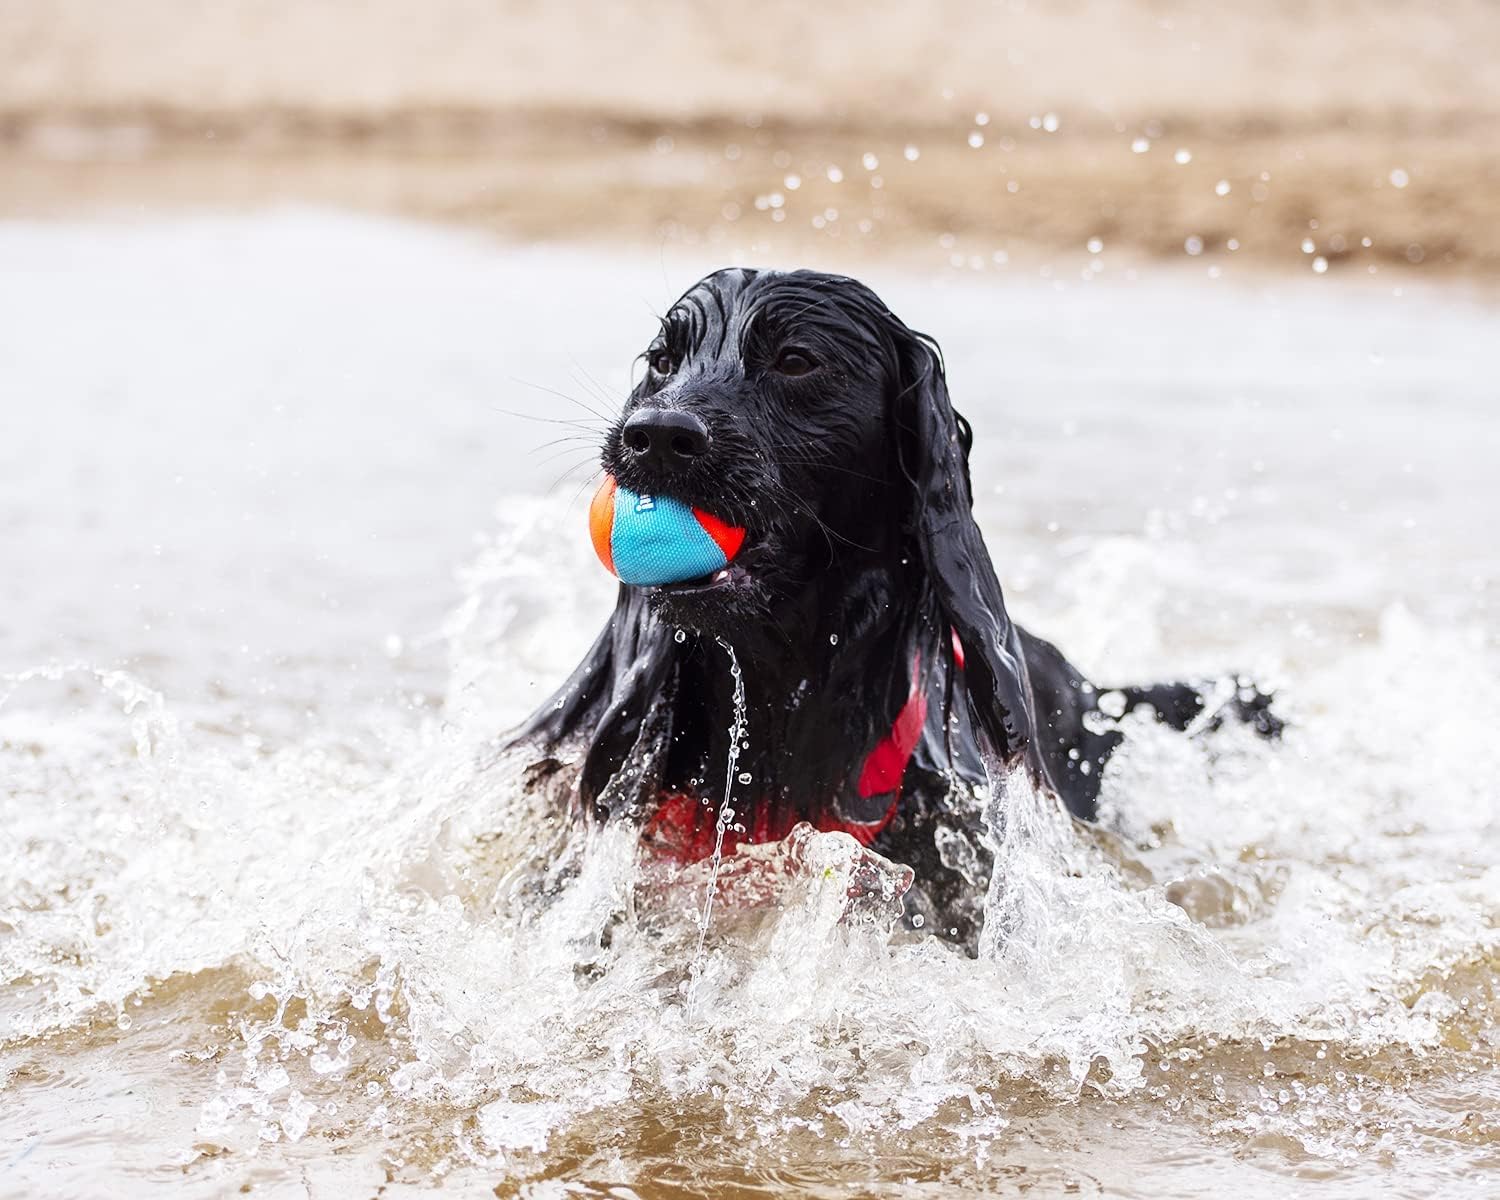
<point x="725" y="817"/>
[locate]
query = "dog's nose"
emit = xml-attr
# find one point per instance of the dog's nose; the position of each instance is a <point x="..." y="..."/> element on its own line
<point x="664" y="438"/>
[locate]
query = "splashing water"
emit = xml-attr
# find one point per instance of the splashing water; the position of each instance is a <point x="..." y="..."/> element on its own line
<point x="275" y="913"/>
<point x="737" y="744"/>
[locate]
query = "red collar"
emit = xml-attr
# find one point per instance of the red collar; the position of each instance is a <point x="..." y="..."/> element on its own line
<point x="683" y="826"/>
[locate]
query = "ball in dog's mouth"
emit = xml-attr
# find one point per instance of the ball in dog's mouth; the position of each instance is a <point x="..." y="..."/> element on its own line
<point x="653" y="540"/>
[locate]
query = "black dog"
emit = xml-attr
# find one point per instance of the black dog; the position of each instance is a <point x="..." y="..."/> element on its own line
<point x="881" y="670"/>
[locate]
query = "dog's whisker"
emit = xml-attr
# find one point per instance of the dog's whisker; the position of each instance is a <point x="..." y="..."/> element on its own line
<point x="586" y="439"/>
<point x="606" y="410"/>
<point x="566" y="439"/>
<point x="586" y="426"/>
<point x="584" y="486"/>
<point x="563" y="478"/>
<point x="605" y="414"/>
<point x="606" y="418"/>
<point x="824" y="465"/>
<point x="830" y="534"/>
<point x="605" y="396"/>
<point x="587" y="457"/>
<point x="582" y="453"/>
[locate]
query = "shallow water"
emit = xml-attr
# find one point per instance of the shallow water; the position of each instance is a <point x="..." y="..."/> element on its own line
<point x="280" y="564"/>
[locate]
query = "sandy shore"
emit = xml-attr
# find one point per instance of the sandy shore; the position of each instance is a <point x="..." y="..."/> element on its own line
<point x="1350" y="136"/>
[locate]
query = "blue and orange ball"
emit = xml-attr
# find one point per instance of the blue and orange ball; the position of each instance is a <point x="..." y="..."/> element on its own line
<point x="648" y="540"/>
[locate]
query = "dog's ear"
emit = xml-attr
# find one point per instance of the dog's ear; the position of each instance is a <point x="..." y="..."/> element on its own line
<point x="933" y="451"/>
<point x="616" y="708"/>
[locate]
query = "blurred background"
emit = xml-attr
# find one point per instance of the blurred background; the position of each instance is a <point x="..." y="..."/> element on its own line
<point x="1309" y="134"/>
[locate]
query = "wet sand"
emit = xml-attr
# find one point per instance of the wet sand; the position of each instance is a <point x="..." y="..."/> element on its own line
<point x="1276" y="200"/>
<point x="1364" y="135"/>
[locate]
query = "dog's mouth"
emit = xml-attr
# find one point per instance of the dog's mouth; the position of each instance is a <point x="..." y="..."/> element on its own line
<point x="735" y="575"/>
<point x="722" y="580"/>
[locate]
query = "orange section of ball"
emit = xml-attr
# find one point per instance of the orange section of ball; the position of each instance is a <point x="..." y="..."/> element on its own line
<point x="602" y="522"/>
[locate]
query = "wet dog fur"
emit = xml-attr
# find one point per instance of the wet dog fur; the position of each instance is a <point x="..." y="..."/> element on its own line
<point x="822" y="424"/>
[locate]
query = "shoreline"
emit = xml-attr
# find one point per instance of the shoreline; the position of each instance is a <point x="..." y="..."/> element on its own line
<point x="1258" y="191"/>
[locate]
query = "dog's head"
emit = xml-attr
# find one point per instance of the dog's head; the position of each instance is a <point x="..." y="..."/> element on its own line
<point x="777" y="402"/>
<point x="798" y="406"/>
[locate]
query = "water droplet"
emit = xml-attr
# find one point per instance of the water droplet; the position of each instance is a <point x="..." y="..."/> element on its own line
<point x="869" y="161"/>
<point x="792" y="182"/>
<point x="1320" y="264"/>
<point x="981" y="118"/>
<point x="1308" y="245"/>
<point x="1183" y="157"/>
<point x="918" y="920"/>
<point x="1193" y="245"/>
<point x="833" y="639"/>
<point x="738" y="740"/>
<point x="1140" y="145"/>
<point x="679" y="636"/>
<point x="1050" y="122"/>
<point x="744" y="777"/>
<point x="976" y="139"/>
<point x="1095" y="245"/>
<point x="912" y="154"/>
<point x="1222" y="188"/>
<point x="1399" y="178"/>
<point x="835" y="175"/>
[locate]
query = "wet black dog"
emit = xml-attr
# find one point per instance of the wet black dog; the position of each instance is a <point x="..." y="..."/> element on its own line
<point x="881" y="670"/>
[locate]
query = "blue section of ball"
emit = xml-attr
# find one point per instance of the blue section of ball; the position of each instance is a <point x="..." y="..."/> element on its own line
<point x="657" y="540"/>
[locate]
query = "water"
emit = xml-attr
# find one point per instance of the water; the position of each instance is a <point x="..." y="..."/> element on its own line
<point x="737" y="743"/>
<point x="279" y="565"/>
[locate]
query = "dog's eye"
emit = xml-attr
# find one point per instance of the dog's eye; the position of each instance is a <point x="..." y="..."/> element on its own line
<point x="660" y="362"/>
<point x="796" y="362"/>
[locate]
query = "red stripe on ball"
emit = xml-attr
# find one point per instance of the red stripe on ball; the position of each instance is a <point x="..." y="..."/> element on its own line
<point x="729" y="538"/>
